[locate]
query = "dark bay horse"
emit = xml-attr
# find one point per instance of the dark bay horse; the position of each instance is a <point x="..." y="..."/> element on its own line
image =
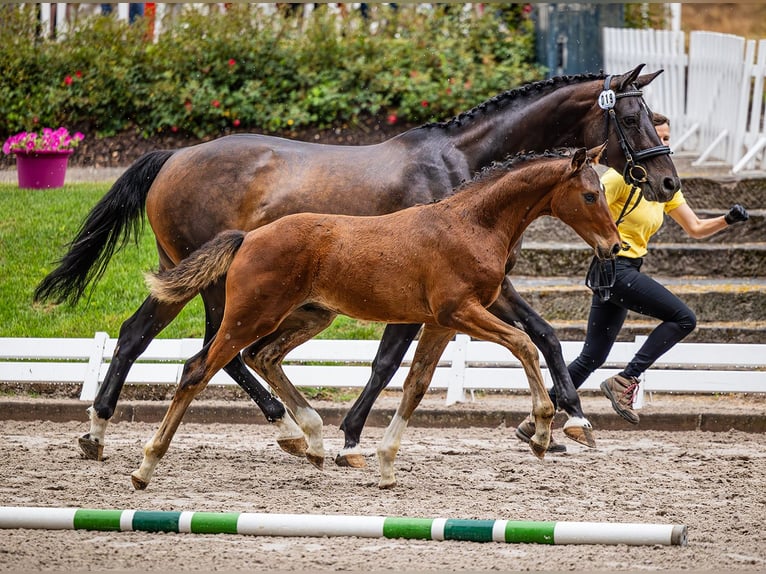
<point x="245" y="181"/>
<point x="440" y="264"/>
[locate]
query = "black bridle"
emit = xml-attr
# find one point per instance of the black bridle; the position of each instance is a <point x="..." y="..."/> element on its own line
<point x="602" y="273"/>
<point x="633" y="173"/>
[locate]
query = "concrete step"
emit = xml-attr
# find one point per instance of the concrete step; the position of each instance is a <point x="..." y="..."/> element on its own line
<point x="753" y="230"/>
<point x="735" y="260"/>
<point x="723" y="301"/>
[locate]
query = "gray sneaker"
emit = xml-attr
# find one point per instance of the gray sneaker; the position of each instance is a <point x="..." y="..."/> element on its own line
<point x="526" y="430"/>
<point x="621" y="391"/>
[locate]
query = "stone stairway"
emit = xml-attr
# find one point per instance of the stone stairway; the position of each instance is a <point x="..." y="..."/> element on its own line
<point x="722" y="278"/>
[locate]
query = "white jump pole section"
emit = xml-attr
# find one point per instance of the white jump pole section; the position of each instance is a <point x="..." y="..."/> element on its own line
<point x="316" y="525"/>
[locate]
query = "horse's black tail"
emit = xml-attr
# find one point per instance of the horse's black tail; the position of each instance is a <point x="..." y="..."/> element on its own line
<point x="199" y="270"/>
<point x="108" y="227"/>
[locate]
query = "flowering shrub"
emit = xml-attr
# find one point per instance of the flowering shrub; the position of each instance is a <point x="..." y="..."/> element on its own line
<point x="49" y="140"/>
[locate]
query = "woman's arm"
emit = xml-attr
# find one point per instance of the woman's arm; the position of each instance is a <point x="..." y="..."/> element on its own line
<point x="693" y="225"/>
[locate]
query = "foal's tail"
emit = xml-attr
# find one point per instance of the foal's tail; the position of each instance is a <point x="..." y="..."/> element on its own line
<point x="108" y="227"/>
<point x="199" y="270"/>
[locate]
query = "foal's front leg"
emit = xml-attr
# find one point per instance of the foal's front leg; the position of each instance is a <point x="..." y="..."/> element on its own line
<point x="430" y="347"/>
<point x="514" y="310"/>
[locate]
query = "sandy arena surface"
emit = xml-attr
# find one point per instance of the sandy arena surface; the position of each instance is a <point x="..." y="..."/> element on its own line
<point x="713" y="482"/>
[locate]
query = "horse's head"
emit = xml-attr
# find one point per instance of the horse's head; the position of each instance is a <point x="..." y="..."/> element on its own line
<point x="580" y="202"/>
<point x="633" y="147"/>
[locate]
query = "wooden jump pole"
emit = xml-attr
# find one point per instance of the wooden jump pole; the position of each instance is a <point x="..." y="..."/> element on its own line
<point x="316" y="525"/>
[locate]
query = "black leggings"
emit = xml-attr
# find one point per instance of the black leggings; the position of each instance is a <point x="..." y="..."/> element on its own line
<point x="633" y="291"/>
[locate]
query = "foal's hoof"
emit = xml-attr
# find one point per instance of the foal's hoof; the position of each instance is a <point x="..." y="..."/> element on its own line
<point x="350" y="460"/>
<point x="386" y="484"/>
<point x="583" y="435"/>
<point x="91" y="449"/>
<point x="294" y="446"/>
<point x="537" y="449"/>
<point x="316" y="460"/>
<point x="138" y="482"/>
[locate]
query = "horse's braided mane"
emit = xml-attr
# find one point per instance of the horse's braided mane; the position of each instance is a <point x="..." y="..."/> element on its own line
<point x="508" y="96"/>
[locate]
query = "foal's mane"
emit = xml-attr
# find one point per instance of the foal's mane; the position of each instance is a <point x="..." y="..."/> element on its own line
<point x="497" y="170"/>
<point x="501" y="100"/>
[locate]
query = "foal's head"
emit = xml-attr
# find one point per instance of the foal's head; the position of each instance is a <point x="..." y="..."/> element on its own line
<point x="580" y="202"/>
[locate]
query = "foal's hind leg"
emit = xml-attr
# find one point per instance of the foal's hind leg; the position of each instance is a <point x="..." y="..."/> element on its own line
<point x="513" y="309"/>
<point x="393" y="346"/>
<point x="288" y="432"/>
<point x="135" y="335"/>
<point x="265" y="357"/>
<point x="430" y="347"/>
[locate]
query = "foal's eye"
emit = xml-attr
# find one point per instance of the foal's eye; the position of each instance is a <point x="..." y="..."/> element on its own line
<point x="630" y="121"/>
<point x="590" y="198"/>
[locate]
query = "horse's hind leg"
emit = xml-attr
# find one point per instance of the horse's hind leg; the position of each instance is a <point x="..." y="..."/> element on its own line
<point x="265" y="357"/>
<point x="393" y="346"/>
<point x="288" y="432"/>
<point x="135" y="335"/>
<point x="430" y="347"/>
<point x="513" y="309"/>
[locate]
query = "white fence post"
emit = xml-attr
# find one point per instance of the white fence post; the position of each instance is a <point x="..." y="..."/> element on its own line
<point x="456" y="385"/>
<point x="753" y="140"/>
<point x="92" y="373"/>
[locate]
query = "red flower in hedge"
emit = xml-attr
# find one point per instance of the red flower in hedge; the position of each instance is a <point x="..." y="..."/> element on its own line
<point x="68" y="80"/>
<point x="424" y="103"/>
<point x="391" y="119"/>
<point x="215" y="104"/>
<point x="236" y="122"/>
<point x="78" y="73"/>
<point x="232" y="62"/>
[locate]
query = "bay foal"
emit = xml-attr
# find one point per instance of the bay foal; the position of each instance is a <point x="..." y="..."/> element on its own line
<point x="440" y="264"/>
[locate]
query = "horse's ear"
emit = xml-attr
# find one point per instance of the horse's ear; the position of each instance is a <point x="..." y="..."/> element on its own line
<point x="594" y="153"/>
<point x="647" y="78"/>
<point x="579" y="158"/>
<point x="629" y="77"/>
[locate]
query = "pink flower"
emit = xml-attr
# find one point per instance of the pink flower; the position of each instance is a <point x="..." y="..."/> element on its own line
<point x="48" y="140"/>
<point x="215" y="104"/>
<point x="78" y="73"/>
<point x="236" y="122"/>
<point x="232" y="62"/>
<point x="391" y="119"/>
<point x="68" y="80"/>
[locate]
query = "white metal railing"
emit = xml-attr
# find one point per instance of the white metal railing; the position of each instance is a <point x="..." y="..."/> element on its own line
<point x="465" y="366"/>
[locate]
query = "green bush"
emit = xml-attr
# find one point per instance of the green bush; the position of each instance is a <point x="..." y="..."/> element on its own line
<point x="244" y="68"/>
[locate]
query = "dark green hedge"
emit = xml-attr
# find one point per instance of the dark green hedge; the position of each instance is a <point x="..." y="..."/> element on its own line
<point x="245" y="69"/>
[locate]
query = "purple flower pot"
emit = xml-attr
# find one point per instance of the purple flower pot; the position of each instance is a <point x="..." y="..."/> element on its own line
<point x="41" y="169"/>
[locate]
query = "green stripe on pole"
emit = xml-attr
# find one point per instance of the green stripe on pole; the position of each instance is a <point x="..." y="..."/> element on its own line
<point x="156" y="520"/>
<point x="89" y="519"/>
<point x="470" y="530"/>
<point x="413" y="528"/>
<point x="530" y="532"/>
<point x="214" y="522"/>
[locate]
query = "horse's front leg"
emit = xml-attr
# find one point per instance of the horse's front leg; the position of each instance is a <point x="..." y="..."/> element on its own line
<point x="135" y="335"/>
<point x="265" y="357"/>
<point x="514" y="310"/>
<point x="430" y="347"/>
<point x="393" y="346"/>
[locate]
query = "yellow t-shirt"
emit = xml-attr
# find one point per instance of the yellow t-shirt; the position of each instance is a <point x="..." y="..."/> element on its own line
<point x="642" y="222"/>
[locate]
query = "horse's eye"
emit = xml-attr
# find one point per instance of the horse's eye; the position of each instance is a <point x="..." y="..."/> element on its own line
<point x="590" y="198"/>
<point x="630" y="121"/>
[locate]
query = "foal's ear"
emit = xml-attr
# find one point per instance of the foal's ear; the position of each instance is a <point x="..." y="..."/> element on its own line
<point x="647" y="78"/>
<point x="579" y="158"/>
<point x="594" y="153"/>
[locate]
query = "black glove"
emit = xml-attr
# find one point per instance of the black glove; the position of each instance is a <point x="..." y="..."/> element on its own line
<point x="736" y="213"/>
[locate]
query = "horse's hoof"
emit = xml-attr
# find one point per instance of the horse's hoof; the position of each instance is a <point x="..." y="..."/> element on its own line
<point x="138" y="482"/>
<point x="317" y="461"/>
<point x="350" y="460"/>
<point x="537" y="449"/>
<point x="386" y="484"/>
<point x="91" y="449"/>
<point x="583" y="435"/>
<point x="294" y="446"/>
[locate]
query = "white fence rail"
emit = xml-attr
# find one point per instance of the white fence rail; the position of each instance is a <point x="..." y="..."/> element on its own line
<point x="714" y="96"/>
<point x="465" y="366"/>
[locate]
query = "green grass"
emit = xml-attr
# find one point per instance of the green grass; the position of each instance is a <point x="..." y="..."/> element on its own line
<point x="35" y="227"/>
